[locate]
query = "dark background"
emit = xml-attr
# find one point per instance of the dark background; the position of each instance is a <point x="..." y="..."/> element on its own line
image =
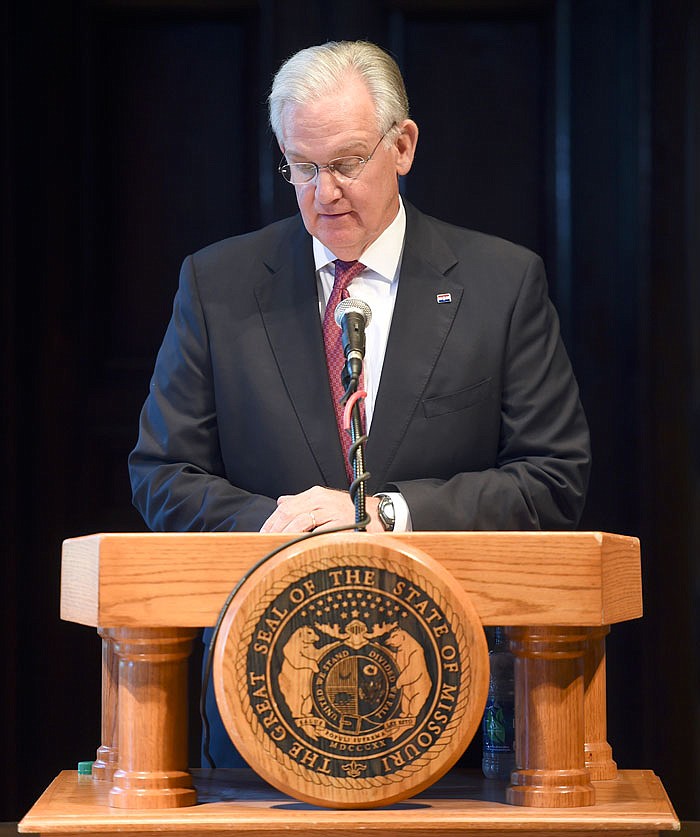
<point x="134" y="133"/>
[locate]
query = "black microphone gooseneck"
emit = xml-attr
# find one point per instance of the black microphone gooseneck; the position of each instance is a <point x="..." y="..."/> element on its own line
<point x="353" y="316"/>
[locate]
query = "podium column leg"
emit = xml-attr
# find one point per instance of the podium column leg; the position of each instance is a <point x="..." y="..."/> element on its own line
<point x="107" y="754"/>
<point x="152" y="724"/>
<point x="549" y="723"/>
<point x="598" y="753"/>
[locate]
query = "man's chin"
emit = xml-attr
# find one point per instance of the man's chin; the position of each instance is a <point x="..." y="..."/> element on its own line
<point x="345" y="245"/>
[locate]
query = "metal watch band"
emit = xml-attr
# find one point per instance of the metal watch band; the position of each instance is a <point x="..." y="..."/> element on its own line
<point x="386" y="512"/>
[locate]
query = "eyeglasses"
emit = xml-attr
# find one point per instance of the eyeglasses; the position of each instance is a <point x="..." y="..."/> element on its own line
<point x="342" y="168"/>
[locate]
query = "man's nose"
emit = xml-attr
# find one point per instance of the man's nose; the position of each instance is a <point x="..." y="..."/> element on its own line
<point x="327" y="188"/>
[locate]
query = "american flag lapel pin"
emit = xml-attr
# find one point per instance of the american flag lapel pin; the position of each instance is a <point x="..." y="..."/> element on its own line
<point x="443" y="298"/>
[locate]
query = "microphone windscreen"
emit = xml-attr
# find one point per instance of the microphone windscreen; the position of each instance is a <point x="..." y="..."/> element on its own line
<point x="352" y="304"/>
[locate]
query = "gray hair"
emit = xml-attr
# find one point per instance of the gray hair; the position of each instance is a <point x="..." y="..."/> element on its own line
<point x="319" y="70"/>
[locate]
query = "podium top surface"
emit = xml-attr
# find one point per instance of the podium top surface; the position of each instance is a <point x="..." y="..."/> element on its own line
<point x="513" y="578"/>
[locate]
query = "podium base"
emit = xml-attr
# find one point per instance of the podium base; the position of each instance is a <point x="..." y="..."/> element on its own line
<point x="237" y="802"/>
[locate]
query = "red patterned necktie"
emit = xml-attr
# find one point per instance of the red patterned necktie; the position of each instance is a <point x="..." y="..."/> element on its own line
<point x="345" y="272"/>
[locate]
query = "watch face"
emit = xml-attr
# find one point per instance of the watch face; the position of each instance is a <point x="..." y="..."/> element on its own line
<point x="386" y="512"/>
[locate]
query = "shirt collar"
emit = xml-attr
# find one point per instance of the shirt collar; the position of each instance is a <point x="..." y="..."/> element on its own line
<point x="382" y="256"/>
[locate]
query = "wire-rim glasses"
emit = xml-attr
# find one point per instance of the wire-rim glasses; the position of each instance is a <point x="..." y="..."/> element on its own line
<point x="342" y="168"/>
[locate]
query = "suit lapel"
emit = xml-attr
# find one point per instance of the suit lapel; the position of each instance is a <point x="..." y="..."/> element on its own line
<point x="419" y="328"/>
<point x="288" y="303"/>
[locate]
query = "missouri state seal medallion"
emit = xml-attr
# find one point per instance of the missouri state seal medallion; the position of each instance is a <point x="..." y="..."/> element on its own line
<point x="350" y="672"/>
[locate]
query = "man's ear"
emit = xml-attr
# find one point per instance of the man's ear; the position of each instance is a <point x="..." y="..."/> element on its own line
<point x="405" y="145"/>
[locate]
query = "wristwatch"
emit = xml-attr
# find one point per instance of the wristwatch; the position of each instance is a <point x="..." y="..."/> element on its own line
<point x="386" y="512"/>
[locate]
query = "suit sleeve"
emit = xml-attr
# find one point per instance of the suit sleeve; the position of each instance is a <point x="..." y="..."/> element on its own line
<point x="176" y="469"/>
<point x="539" y="477"/>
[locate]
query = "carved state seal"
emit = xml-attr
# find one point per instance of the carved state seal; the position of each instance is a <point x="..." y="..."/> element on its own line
<point x="350" y="672"/>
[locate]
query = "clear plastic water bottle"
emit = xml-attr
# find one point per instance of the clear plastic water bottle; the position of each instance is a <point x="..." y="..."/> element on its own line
<point x="499" y="716"/>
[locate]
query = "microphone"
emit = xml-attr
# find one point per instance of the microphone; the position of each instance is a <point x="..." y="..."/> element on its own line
<point x="353" y="316"/>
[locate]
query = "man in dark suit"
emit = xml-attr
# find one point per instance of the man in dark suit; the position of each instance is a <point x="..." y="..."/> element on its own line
<point x="473" y="411"/>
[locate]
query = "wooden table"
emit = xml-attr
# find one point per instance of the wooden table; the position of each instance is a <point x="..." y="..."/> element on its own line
<point x="558" y="593"/>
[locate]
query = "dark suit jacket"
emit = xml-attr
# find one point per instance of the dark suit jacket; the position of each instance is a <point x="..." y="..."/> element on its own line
<point x="477" y="420"/>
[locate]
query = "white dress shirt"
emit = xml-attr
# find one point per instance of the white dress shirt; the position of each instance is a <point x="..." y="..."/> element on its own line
<point x="377" y="286"/>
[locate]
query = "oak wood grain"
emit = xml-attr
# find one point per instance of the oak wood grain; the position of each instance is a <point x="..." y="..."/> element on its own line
<point x="107" y="756"/>
<point x="536" y="578"/>
<point x="287" y="719"/>
<point x="152" y="718"/>
<point x="549" y="720"/>
<point x="598" y="753"/>
<point x="462" y="803"/>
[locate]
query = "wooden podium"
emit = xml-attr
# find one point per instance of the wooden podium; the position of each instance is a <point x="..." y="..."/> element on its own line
<point x="558" y="593"/>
